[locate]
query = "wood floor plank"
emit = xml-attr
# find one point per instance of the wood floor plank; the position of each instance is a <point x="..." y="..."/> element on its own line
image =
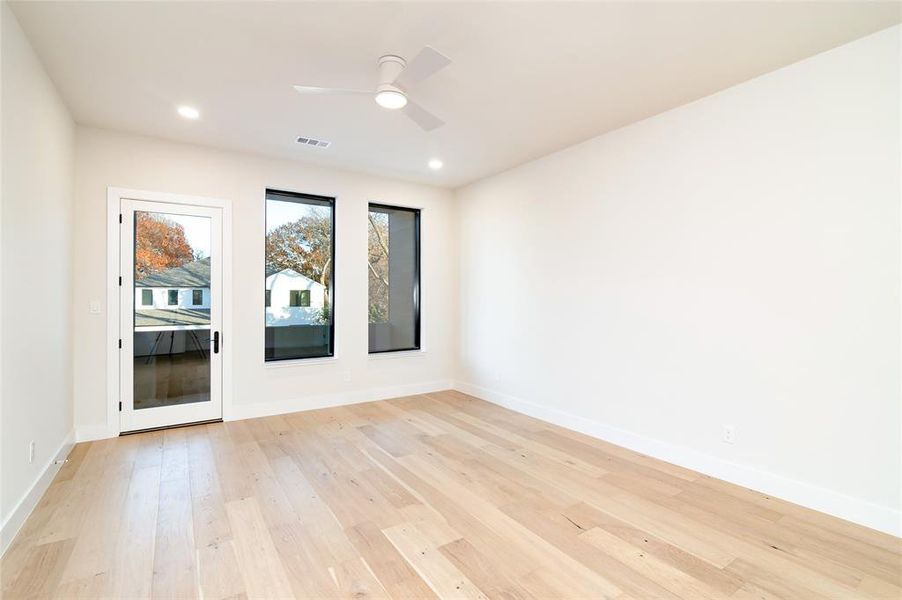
<point x="567" y="539"/>
<point x="521" y="539"/>
<point x="479" y="533"/>
<point x="41" y="570"/>
<point x="478" y="568"/>
<point x="92" y="558"/>
<point x="846" y="566"/>
<point x="396" y="575"/>
<point x="521" y="443"/>
<point x="174" y="558"/>
<point x="217" y="571"/>
<point x="321" y="554"/>
<point x="586" y="517"/>
<point x="434" y="568"/>
<point x="68" y="514"/>
<point x="432" y="496"/>
<point x="261" y="568"/>
<point x="668" y="576"/>
<point x="134" y="551"/>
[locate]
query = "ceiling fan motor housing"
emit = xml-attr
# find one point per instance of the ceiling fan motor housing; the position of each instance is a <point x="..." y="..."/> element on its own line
<point x="390" y="67"/>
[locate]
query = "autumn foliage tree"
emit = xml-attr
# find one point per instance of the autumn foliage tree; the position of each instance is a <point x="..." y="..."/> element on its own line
<point x="160" y="244"/>
<point x="304" y="245"/>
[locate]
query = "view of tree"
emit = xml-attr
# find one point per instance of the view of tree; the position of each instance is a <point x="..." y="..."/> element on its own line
<point x="160" y="244"/>
<point x="304" y="246"/>
<point x="378" y="267"/>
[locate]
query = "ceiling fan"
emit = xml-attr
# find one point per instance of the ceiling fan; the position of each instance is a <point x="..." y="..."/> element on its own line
<point x="396" y="76"/>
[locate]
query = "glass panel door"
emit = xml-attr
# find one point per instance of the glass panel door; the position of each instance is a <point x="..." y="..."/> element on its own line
<point x="171" y="342"/>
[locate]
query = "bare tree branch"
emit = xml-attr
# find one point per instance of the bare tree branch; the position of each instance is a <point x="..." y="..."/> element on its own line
<point x="381" y="279"/>
<point x="379" y="235"/>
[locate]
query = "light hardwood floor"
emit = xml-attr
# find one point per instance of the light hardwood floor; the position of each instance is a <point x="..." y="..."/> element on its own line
<point x="434" y="495"/>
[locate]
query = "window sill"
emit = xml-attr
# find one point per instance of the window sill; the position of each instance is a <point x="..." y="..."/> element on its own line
<point x="397" y="354"/>
<point x="299" y="362"/>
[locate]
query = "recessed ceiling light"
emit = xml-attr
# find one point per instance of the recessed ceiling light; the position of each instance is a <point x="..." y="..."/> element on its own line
<point x="435" y="164"/>
<point x="391" y="99"/>
<point x="189" y="112"/>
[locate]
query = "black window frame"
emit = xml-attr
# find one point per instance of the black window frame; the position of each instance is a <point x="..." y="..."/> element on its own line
<point x="194" y="293"/>
<point x="331" y="201"/>
<point x="417" y="292"/>
<point x="169" y="301"/>
<point x="301" y="294"/>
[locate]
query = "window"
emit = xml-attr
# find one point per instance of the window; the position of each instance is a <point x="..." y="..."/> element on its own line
<point x="147" y="297"/>
<point x="172" y="298"/>
<point x="394" y="278"/>
<point x="299" y="298"/>
<point x="197" y="297"/>
<point x="300" y="254"/>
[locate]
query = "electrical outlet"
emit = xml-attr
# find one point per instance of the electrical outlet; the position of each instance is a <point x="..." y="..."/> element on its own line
<point x="30" y="452"/>
<point x="729" y="434"/>
<point x="94" y="307"/>
<point x="346" y="376"/>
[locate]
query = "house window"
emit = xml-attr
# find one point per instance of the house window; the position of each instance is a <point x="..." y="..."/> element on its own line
<point x="147" y="297"/>
<point x="172" y="298"/>
<point x="394" y="278"/>
<point x="299" y="298"/>
<point x="197" y="297"/>
<point x="300" y="253"/>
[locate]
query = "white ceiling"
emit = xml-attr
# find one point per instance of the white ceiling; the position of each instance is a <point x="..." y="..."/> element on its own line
<point x="527" y="78"/>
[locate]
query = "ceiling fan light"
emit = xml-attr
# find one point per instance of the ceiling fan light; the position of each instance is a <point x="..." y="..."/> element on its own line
<point x="391" y="99"/>
<point x="189" y="112"/>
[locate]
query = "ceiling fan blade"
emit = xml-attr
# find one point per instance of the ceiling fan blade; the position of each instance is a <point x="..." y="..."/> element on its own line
<point x="422" y="117"/>
<point x="309" y="89"/>
<point x="425" y="64"/>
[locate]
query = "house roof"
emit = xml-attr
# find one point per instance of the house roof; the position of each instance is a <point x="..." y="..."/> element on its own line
<point x="197" y="274"/>
<point x="192" y="274"/>
<point x="154" y="317"/>
<point x="274" y="271"/>
<point x="271" y="273"/>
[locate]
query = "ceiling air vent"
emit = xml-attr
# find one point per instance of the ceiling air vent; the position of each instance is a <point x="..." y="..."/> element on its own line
<point x="313" y="142"/>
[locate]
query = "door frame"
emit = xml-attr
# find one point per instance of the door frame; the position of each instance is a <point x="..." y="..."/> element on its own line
<point x="114" y="197"/>
<point x="155" y="417"/>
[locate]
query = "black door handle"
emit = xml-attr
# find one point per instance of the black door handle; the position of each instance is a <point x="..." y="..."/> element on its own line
<point x="215" y="342"/>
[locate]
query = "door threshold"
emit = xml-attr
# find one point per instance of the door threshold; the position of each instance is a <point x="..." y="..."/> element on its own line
<point x="192" y="424"/>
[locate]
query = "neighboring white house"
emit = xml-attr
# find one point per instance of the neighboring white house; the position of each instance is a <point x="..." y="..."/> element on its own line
<point x="180" y="297"/>
<point x="172" y="311"/>
<point x="293" y="299"/>
<point x="185" y="287"/>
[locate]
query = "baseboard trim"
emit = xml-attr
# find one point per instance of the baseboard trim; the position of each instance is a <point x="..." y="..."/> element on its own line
<point x="281" y="407"/>
<point x="833" y="503"/>
<point x="29" y="501"/>
<point x="90" y="433"/>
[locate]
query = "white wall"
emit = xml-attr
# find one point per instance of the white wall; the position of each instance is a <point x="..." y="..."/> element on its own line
<point x="37" y="177"/>
<point x="114" y="159"/>
<point x="732" y="261"/>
